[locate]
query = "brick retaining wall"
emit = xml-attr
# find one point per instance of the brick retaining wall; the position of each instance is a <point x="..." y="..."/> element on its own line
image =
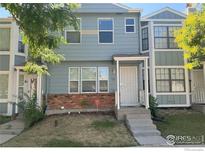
<point x="81" y="101"/>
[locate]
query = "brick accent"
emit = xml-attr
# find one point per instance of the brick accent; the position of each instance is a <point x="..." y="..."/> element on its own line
<point x="81" y="101"/>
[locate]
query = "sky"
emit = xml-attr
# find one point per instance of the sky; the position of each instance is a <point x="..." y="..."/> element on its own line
<point x="146" y="7"/>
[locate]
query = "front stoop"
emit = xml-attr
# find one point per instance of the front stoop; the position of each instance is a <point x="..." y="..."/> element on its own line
<point x="138" y="120"/>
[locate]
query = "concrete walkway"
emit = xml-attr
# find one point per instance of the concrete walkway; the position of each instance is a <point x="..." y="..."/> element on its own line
<point x="10" y="130"/>
<point x="144" y="131"/>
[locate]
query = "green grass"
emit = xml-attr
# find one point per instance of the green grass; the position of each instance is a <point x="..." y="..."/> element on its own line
<point x="103" y="124"/>
<point x="63" y="143"/>
<point x="4" y="119"/>
<point x="191" y="124"/>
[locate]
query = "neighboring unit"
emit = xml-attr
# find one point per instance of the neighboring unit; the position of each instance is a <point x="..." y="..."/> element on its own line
<point x="14" y="83"/>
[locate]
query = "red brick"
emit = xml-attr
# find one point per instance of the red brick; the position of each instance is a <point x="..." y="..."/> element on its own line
<point x="73" y="101"/>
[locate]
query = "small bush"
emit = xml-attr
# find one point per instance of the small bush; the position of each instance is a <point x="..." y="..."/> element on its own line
<point x="103" y="124"/>
<point x="84" y="102"/>
<point x="32" y="113"/>
<point x="4" y="119"/>
<point x="153" y="106"/>
<point x="63" y="143"/>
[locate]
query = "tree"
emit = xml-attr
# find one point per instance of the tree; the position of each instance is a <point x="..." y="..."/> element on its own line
<point x="42" y="26"/>
<point x="191" y="38"/>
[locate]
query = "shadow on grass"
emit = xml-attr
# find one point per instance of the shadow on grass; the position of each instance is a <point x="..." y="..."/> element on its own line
<point x="63" y="143"/>
<point x="103" y="124"/>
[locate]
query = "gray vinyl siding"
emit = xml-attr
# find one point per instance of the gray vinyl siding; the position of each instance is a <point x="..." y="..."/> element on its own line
<point x="167" y="22"/>
<point x="169" y="58"/>
<point x="3" y="108"/>
<point x="100" y="8"/>
<point x="90" y="50"/>
<point x="19" y="60"/>
<point x="58" y="79"/>
<point x="171" y="99"/>
<point x="166" y="15"/>
<point x="4" y="62"/>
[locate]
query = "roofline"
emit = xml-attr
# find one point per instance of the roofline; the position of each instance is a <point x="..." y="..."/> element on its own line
<point x="7" y="19"/>
<point x="165" y="9"/>
<point x="127" y="7"/>
<point x="120" y="5"/>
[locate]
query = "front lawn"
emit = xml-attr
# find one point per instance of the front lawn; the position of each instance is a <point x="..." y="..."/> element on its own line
<point x="184" y="122"/>
<point x="75" y="130"/>
<point x="4" y="119"/>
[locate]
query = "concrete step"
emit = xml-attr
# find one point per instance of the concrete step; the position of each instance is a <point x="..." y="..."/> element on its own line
<point x="134" y="111"/>
<point x="132" y="126"/>
<point x="142" y="128"/>
<point x="138" y="116"/>
<point x="155" y="140"/>
<point x="149" y="132"/>
<point x="11" y="131"/>
<point x="139" y="121"/>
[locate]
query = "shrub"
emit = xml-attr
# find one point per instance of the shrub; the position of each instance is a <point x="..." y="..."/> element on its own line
<point x="153" y="106"/>
<point x="84" y="102"/>
<point x="32" y="113"/>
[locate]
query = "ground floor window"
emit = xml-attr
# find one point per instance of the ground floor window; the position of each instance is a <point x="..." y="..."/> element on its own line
<point x="170" y="80"/>
<point x="4" y="85"/>
<point x="88" y="79"/>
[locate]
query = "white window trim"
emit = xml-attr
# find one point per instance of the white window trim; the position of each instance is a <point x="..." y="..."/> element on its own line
<point x="80" y="30"/>
<point x="172" y="92"/>
<point x="20" y="53"/>
<point x="81" y="80"/>
<point x="130" y="24"/>
<point x="3" y="100"/>
<point x="79" y="84"/>
<point x="147" y="39"/>
<point x="98" y="19"/>
<point x="103" y="80"/>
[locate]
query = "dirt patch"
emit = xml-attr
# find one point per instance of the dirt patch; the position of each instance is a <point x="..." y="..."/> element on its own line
<point x="77" y="128"/>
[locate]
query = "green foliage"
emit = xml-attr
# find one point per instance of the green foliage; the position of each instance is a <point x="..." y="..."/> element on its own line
<point x="32" y="113"/>
<point x="63" y="143"/>
<point x="84" y="102"/>
<point x="103" y="124"/>
<point x="4" y="119"/>
<point x="153" y="106"/>
<point x="42" y="26"/>
<point x="191" y="38"/>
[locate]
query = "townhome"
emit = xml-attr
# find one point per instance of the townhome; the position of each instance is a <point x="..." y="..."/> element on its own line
<point x="113" y="61"/>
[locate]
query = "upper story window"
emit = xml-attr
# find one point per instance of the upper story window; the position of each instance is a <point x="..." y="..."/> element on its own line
<point x="4" y="39"/>
<point x="105" y="27"/>
<point x="73" y="35"/>
<point x="145" y="39"/>
<point x="130" y="25"/>
<point x="21" y="46"/>
<point x="164" y="37"/>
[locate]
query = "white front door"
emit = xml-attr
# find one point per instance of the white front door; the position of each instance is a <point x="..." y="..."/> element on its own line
<point x="128" y="86"/>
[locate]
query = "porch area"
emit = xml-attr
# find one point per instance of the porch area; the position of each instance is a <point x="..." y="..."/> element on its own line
<point x="131" y="83"/>
<point x="25" y="84"/>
